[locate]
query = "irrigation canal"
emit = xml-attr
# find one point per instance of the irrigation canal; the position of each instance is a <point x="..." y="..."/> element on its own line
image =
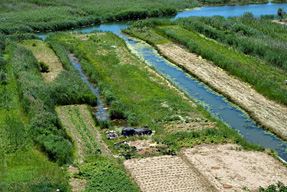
<point x="216" y="104"/>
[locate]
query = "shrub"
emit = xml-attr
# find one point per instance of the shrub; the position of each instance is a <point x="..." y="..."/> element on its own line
<point x="117" y="110"/>
<point x="3" y="78"/>
<point x="44" y="68"/>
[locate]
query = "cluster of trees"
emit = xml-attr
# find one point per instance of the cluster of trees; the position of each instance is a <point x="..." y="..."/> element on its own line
<point x="281" y="13"/>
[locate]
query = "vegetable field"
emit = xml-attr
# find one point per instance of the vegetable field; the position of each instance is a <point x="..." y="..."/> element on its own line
<point x="79" y="124"/>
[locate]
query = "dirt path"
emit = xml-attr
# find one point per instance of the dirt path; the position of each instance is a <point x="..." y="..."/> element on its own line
<point x="267" y="112"/>
<point x="230" y="168"/>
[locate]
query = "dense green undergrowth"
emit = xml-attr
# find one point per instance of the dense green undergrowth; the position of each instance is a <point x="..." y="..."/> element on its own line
<point x="266" y="78"/>
<point x="51" y="15"/>
<point x="103" y="174"/>
<point x="22" y="166"/>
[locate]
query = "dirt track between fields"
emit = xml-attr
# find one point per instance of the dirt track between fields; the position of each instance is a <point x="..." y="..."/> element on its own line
<point x="268" y="113"/>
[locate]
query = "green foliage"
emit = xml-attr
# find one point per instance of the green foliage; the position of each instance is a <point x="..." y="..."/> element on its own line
<point x="85" y="133"/>
<point x="44" y="68"/>
<point x="281" y="13"/>
<point x="61" y="14"/>
<point x="273" y="188"/>
<point x="104" y="175"/>
<point x="267" y="80"/>
<point x="40" y="98"/>
<point x="3" y="78"/>
<point x="212" y="2"/>
<point x="127" y="151"/>
<point x="104" y="124"/>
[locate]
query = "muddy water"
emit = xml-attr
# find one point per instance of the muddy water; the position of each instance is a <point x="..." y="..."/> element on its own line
<point x="101" y="113"/>
<point x="214" y="103"/>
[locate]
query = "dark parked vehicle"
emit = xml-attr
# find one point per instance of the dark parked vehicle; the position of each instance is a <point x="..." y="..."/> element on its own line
<point x="128" y="131"/>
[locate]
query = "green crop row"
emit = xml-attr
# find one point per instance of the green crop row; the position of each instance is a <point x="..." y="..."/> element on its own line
<point x="92" y="139"/>
<point x="80" y="130"/>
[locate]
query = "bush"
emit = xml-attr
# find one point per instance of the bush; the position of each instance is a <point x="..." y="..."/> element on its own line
<point x="58" y="148"/>
<point x="44" y="68"/>
<point x="117" y="110"/>
<point x="3" y="78"/>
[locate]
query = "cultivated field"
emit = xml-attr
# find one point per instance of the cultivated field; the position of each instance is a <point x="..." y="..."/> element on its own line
<point x="79" y="124"/>
<point x="165" y="173"/>
<point x="230" y="168"/>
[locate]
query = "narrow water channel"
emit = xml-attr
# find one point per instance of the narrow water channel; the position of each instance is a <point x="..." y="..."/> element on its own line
<point x="216" y="104"/>
<point x="101" y="113"/>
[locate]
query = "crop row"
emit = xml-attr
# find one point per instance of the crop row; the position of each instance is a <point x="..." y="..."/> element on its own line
<point x="92" y="139"/>
<point x="80" y="130"/>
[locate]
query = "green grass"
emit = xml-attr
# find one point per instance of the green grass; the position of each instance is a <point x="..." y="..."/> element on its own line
<point x="266" y="79"/>
<point x="30" y="171"/>
<point x="106" y="61"/>
<point x="105" y="175"/>
<point x="35" y="15"/>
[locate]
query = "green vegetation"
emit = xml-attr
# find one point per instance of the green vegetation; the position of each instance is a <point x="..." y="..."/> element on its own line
<point x="273" y="188"/>
<point x="44" y="68"/>
<point x="52" y="15"/>
<point x="82" y="128"/>
<point x="105" y="175"/>
<point x="141" y="96"/>
<point x="244" y="35"/>
<point x="22" y="166"/>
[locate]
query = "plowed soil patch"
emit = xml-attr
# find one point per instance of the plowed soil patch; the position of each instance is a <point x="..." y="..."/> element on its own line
<point x="165" y="173"/>
<point x="228" y="168"/>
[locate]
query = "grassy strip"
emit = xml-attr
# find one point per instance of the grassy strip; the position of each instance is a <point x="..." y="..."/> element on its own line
<point x="240" y="34"/>
<point x="266" y="80"/>
<point x="79" y="128"/>
<point x="92" y="139"/>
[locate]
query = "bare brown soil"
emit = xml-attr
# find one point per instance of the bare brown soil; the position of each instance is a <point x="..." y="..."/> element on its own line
<point x="229" y="168"/>
<point x="75" y="183"/>
<point x="44" y="53"/>
<point x="282" y="22"/>
<point x="165" y="173"/>
<point x="145" y="147"/>
<point x="267" y="112"/>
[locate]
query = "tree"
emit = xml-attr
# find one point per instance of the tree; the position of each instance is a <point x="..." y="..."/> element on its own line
<point x="281" y="13"/>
